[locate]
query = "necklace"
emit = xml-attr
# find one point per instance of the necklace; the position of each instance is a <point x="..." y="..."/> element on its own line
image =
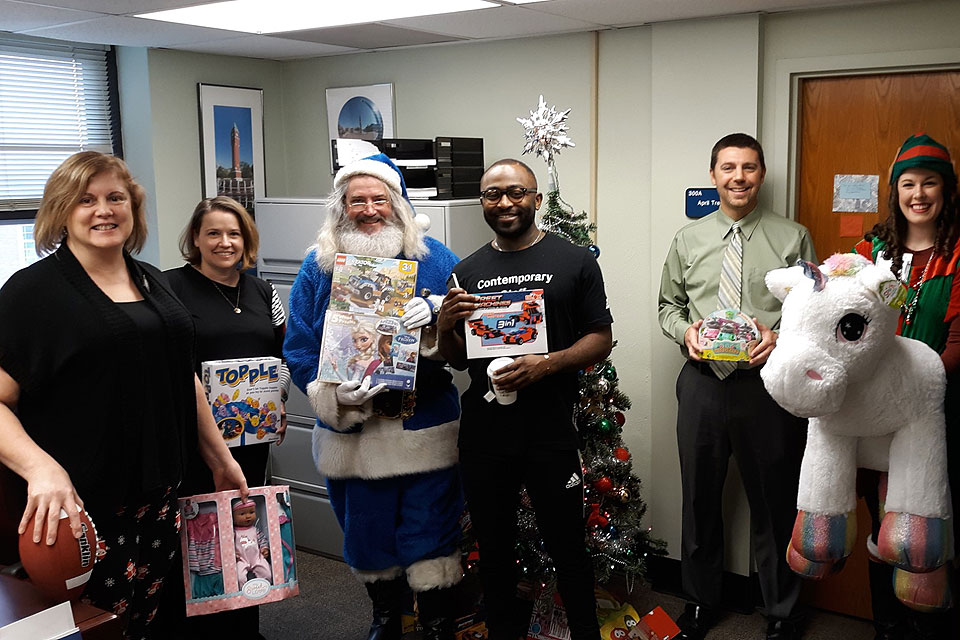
<point x="236" y="307"/>
<point x="910" y="307"/>
<point x="539" y="237"/>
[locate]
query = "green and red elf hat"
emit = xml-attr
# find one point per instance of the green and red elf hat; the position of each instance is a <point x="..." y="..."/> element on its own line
<point x="920" y="151"/>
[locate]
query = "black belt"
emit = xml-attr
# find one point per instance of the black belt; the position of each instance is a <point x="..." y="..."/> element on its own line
<point x="704" y="367"/>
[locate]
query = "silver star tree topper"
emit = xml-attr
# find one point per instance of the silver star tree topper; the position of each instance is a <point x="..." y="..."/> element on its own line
<point x="546" y="132"/>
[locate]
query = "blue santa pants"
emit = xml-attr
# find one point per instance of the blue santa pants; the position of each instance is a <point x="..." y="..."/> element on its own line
<point x="395" y="522"/>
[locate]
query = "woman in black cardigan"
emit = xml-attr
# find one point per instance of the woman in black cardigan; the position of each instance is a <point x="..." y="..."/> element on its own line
<point x="99" y="404"/>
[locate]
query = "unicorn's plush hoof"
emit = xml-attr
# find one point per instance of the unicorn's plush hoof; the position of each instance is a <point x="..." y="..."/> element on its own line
<point x="914" y="543"/>
<point x="811" y="568"/>
<point x="824" y="538"/>
<point x="926" y="592"/>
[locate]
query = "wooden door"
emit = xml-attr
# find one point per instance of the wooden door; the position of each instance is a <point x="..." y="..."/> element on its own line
<point x="855" y="125"/>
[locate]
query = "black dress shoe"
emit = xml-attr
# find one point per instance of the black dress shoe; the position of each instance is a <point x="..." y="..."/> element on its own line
<point x="782" y="630"/>
<point x="694" y="622"/>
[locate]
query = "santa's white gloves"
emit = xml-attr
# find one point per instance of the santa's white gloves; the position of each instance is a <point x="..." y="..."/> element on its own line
<point x="419" y="312"/>
<point x="354" y="393"/>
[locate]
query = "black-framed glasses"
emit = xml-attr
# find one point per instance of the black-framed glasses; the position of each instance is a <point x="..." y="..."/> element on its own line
<point x="516" y="194"/>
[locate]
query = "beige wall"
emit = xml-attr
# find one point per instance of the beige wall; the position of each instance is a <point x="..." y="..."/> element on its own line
<point x="665" y="94"/>
<point x="172" y="132"/>
<point x="473" y="90"/>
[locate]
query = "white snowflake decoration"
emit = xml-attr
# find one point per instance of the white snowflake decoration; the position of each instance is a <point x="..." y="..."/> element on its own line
<point x="546" y="132"/>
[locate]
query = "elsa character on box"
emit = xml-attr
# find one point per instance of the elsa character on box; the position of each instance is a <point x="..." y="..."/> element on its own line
<point x="363" y="337"/>
<point x="250" y="542"/>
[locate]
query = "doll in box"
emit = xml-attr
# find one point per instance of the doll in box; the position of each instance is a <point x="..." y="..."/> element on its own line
<point x="252" y="546"/>
<point x="203" y="551"/>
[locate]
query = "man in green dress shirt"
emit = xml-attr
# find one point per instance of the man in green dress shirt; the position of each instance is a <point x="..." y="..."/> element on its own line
<point x="718" y="415"/>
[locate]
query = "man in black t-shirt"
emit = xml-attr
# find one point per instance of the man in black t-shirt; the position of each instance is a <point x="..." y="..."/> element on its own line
<point x="533" y="441"/>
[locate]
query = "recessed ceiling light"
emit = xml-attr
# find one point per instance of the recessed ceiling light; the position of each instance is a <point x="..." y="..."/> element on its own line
<point x="276" y="16"/>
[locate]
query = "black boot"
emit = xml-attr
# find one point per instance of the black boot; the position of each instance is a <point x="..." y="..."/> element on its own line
<point x="387" y="598"/>
<point x="435" y="608"/>
<point x="891" y="618"/>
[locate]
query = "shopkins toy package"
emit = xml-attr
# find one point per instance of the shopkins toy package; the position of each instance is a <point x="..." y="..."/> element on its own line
<point x="237" y="553"/>
<point x="727" y="334"/>
<point x="244" y="396"/>
<point x="509" y="323"/>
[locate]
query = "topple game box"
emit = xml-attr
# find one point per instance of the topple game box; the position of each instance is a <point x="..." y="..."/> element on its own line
<point x="244" y="396"/>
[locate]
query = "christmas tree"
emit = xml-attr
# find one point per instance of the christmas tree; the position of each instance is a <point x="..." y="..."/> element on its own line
<point x="615" y="534"/>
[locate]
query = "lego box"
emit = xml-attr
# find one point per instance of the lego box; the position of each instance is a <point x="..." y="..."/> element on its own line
<point x="508" y="323"/>
<point x="237" y="553"/>
<point x="244" y="396"/>
<point x="356" y="346"/>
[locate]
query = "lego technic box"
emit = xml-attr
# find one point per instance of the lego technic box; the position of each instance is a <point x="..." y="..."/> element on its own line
<point x="363" y="332"/>
<point x="509" y="323"/>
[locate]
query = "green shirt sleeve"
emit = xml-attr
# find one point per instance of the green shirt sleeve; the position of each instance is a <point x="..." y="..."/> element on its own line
<point x="673" y="303"/>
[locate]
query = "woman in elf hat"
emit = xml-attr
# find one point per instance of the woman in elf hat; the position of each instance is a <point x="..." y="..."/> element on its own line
<point x="920" y="242"/>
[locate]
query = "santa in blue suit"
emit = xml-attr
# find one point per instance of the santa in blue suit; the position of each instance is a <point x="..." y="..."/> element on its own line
<point x="389" y="456"/>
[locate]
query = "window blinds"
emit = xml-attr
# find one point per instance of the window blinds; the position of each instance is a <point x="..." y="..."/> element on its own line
<point x="54" y="101"/>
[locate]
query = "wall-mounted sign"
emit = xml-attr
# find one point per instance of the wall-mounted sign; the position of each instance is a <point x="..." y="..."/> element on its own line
<point x="700" y="201"/>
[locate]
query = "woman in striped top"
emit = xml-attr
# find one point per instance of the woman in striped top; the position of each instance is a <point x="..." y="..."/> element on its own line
<point x="236" y="316"/>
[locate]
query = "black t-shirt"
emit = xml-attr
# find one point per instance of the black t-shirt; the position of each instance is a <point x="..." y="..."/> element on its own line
<point x="143" y="460"/>
<point x="574" y="302"/>
<point x="221" y="333"/>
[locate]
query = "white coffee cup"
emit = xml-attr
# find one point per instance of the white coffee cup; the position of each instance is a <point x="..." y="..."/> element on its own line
<point x="503" y="397"/>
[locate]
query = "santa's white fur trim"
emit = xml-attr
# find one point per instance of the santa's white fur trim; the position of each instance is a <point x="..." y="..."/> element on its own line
<point x="429" y="345"/>
<point x="435" y="573"/>
<point x="384" y="449"/>
<point x="423" y="222"/>
<point x="323" y="399"/>
<point x="368" y="167"/>
<point x="375" y="576"/>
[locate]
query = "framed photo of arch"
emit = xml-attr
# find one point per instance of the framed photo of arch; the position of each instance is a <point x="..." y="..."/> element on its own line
<point x="360" y="113"/>
<point x="231" y="143"/>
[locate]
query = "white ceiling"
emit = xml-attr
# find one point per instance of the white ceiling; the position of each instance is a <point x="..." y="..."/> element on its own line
<point x="112" y="22"/>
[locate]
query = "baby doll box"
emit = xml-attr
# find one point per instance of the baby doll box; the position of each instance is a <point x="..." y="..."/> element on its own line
<point x="727" y="334"/>
<point x="227" y="567"/>
<point x="244" y="396"/>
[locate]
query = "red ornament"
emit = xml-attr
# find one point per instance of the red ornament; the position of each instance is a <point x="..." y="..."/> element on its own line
<point x="595" y="519"/>
<point x="620" y="418"/>
<point x="603" y="485"/>
<point x="621" y="454"/>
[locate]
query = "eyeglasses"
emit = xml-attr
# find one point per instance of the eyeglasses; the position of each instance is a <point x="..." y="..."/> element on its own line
<point x="516" y="194"/>
<point x="361" y="205"/>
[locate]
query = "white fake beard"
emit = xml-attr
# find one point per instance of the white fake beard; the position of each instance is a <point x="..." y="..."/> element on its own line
<point x="386" y="243"/>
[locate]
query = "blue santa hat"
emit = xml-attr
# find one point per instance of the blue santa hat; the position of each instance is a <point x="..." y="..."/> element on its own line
<point x="379" y="166"/>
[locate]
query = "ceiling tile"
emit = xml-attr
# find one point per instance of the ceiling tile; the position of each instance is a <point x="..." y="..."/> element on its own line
<point x="257" y="46"/>
<point x="19" y="16"/>
<point x="133" y="32"/>
<point x="499" y="22"/>
<point x="369" y="36"/>
<point x="121" y="7"/>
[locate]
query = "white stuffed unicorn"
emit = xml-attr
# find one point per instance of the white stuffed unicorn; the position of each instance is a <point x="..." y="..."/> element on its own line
<point x="874" y="400"/>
